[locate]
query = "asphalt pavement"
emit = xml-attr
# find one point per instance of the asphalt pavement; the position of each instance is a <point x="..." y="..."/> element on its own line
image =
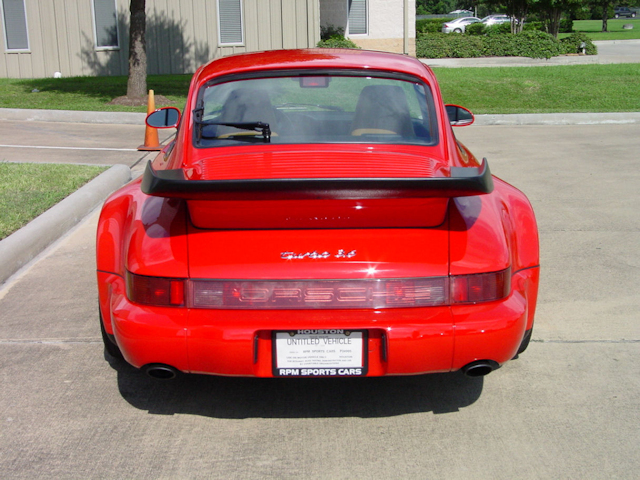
<point x="568" y="407"/>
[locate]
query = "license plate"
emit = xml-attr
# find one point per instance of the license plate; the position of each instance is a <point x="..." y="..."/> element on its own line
<point x="320" y="353"/>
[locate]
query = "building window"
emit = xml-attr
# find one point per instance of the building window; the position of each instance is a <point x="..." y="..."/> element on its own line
<point x="230" y="22"/>
<point x="105" y="24"/>
<point x="14" y="21"/>
<point x="358" y="17"/>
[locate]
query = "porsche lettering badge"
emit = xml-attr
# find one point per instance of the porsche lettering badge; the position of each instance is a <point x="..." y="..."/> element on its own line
<point x="317" y="255"/>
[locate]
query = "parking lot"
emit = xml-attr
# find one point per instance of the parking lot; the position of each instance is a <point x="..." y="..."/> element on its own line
<point x="569" y="407"/>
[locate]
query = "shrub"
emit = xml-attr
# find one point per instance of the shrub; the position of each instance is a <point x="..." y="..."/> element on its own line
<point x="329" y="31"/>
<point x="333" y="37"/>
<point x="475" y="29"/>
<point x="536" y="44"/>
<point x="533" y="44"/>
<point x="571" y="44"/>
<point x="430" y="25"/>
<point x="498" y="28"/>
<point x="566" y="25"/>
<point x="500" y="46"/>
<point x="336" y="42"/>
<point x="447" y="45"/>
<point x="528" y="26"/>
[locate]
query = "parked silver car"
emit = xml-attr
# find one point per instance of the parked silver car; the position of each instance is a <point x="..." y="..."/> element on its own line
<point x="458" y="25"/>
<point x="495" y="19"/>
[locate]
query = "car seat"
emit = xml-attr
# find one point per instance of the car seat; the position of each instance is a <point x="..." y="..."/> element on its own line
<point x="382" y="109"/>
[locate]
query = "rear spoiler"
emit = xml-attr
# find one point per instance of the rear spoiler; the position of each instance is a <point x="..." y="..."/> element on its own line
<point x="463" y="182"/>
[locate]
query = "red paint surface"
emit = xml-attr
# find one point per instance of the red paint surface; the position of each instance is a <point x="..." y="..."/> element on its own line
<point x="392" y="238"/>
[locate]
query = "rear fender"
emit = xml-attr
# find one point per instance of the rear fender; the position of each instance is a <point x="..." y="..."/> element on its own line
<point x="142" y="234"/>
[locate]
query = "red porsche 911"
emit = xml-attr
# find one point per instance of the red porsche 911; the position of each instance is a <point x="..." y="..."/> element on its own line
<point x="315" y="216"/>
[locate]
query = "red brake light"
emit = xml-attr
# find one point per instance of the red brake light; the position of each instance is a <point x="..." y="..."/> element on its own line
<point x="482" y="287"/>
<point x="155" y="290"/>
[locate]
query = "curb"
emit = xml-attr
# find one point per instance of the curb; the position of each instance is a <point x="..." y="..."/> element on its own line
<point x="480" y="62"/>
<point x="72" y="116"/>
<point x="615" y="118"/>
<point x="22" y="246"/>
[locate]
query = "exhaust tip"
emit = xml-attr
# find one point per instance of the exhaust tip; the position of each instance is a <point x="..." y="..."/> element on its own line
<point x="160" y="371"/>
<point x="479" y="368"/>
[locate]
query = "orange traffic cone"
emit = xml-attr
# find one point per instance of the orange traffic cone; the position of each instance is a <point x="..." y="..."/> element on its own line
<point x="151" y="142"/>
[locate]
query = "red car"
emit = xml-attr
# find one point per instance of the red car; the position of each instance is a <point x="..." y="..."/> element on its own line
<point x="316" y="216"/>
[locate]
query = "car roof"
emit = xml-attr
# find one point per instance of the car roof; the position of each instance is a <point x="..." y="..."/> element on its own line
<point x="314" y="58"/>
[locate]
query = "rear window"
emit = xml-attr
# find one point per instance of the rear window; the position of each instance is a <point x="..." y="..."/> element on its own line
<point x="315" y="109"/>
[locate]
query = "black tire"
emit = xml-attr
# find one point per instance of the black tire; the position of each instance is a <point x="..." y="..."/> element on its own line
<point x="633" y="15"/>
<point x="525" y="341"/>
<point x="457" y="30"/>
<point x="109" y="345"/>
<point x="616" y="16"/>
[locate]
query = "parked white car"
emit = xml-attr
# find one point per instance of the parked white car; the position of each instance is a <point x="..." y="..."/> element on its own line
<point x="458" y="25"/>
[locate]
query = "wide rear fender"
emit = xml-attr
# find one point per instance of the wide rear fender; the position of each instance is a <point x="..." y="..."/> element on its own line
<point x="142" y="234"/>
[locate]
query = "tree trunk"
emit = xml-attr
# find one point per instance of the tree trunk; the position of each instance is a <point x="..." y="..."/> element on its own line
<point x="137" y="83"/>
<point x="554" y="21"/>
<point x="605" y="16"/>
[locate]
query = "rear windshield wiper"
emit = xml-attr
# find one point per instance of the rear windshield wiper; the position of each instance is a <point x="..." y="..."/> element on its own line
<point x="262" y="127"/>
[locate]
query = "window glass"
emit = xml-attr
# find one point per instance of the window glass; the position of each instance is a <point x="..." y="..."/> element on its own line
<point x="320" y="109"/>
<point x="106" y="23"/>
<point x="357" y="17"/>
<point x="230" y="21"/>
<point x="15" y="25"/>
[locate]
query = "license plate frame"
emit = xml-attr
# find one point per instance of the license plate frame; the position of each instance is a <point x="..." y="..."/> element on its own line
<point x="320" y="353"/>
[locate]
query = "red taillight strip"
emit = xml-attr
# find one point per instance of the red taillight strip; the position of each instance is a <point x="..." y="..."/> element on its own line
<point x="319" y="294"/>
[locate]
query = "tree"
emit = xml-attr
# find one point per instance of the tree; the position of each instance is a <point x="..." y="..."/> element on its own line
<point x="137" y="82"/>
<point x="516" y="9"/>
<point x="551" y="12"/>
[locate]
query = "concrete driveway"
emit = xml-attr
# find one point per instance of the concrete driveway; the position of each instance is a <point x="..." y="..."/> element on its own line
<point x="567" y="408"/>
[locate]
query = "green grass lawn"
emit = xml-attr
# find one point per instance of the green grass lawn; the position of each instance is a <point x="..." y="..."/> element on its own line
<point x="29" y="189"/>
<point x="593" y="28"/>
<point x="575" y="88"/>
<point x="86" y="93"/>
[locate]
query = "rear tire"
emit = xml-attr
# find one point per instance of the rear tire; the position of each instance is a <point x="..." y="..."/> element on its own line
<point x="525" y="341"/>
<point x="457" y="30"/>
<point x="109" y="345"/>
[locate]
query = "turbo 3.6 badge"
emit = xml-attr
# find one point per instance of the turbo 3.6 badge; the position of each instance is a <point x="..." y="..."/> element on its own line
<point x="317" y="255"/>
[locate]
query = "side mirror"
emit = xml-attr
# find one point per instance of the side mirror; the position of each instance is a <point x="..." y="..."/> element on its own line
<point x="166" y="117"/>
<point x="459" y="116"/>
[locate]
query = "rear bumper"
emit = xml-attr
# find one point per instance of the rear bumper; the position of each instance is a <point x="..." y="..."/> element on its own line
<point x="239" y="343"/>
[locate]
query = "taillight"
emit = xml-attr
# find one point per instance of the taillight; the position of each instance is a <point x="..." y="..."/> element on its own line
<point x="481" y="287"/>
<point x="319" y="294"/>
<point x="306" y="294"/>
<point x="155" y="290"/>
